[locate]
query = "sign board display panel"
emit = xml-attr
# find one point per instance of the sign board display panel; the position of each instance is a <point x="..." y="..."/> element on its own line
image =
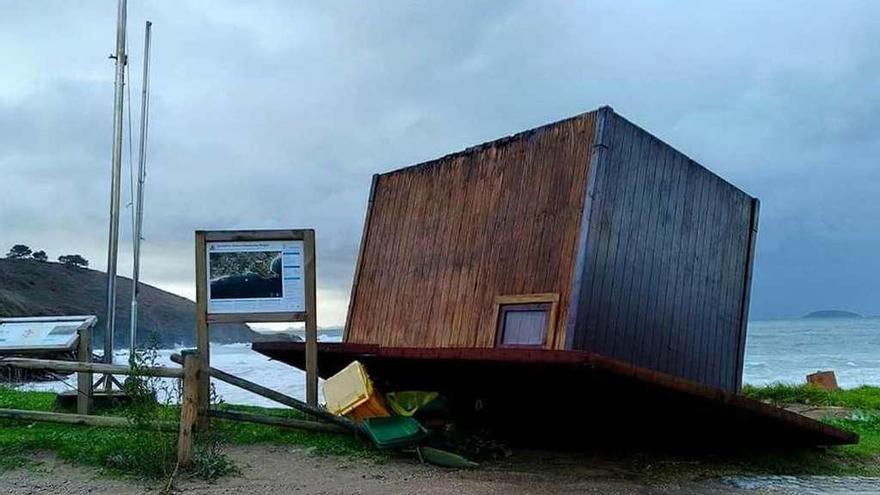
<point x="255" y="277"/>
<point x="19" y="334"/>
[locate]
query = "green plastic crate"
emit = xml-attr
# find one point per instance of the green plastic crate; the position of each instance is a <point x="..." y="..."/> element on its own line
<point x="394" y="431"/>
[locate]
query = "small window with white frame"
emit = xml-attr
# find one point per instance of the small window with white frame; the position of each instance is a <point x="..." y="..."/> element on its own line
<point x="525" y="320"/>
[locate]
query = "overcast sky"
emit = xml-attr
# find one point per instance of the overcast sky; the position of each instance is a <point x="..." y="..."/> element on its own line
<point x="276" y="114"/>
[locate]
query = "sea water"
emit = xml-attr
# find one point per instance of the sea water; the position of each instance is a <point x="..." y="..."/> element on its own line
<point x="237" y="359"/>
<point x="776" y="351"/>
<point x="787" y="350"/>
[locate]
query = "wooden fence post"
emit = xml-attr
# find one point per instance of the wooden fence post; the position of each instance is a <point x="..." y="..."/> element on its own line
<point x="84" y="388"/>
<point x="203" y="341"/>
<point x="188" y="408"/>
<point x="311" y="332"/>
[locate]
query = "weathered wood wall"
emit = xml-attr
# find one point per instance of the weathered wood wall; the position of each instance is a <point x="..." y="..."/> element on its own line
<point x="666" y="262"/>
<point x="444" y="238"/>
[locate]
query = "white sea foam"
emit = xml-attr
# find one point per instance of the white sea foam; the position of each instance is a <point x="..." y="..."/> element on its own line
<point x="787" y="350"/>
<point x="776" y="351"/>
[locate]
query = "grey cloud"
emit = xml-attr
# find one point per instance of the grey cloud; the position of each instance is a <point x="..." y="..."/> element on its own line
<point x="275" y="114"/>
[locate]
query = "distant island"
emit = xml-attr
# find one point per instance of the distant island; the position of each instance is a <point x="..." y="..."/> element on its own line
<point x="832" y="313"/>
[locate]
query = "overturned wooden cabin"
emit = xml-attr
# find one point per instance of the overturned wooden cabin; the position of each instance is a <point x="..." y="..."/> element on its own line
<point x="587" y="234"/>
<point x="586" y="252"/>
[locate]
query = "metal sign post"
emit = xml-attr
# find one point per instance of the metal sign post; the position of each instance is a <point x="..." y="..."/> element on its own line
<point x="255" y="276"/>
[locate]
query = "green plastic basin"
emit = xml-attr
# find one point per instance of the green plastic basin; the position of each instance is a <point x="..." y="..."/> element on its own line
<point x="394" y="431"/>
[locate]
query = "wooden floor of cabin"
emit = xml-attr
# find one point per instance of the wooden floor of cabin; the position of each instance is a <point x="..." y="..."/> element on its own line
<point x="570" y="398"/>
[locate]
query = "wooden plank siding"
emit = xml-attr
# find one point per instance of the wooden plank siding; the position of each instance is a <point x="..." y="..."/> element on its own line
<point x="446" y="237"/>
<point x="648" y="253"/>
<point x="667" y="262"/>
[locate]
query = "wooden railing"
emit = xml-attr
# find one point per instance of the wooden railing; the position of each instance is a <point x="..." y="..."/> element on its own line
<point x="75" y="366"/>
<point x="342" y="424"/>
<point x="189" y="374"/>
<point x="191" y="417"/>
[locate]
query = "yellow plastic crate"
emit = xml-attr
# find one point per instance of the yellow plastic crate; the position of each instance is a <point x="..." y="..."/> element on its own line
<point x="350" y="393"/>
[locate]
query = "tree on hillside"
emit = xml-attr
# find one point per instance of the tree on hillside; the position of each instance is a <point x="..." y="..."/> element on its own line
<point x="18" y="252"/>
<point x="73" y="260"/>
<point x="40" y="256"/>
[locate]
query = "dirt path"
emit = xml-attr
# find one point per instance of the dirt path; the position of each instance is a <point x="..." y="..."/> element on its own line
<point x="271" y="470"/>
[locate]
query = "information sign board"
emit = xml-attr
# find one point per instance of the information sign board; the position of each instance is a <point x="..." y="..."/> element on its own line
<point x="46" y="333"/>
<point x="256" y="277"/>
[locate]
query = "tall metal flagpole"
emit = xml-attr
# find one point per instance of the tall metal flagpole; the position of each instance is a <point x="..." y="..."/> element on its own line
<point x="139" y="202"/>
<point x="113" y="243"/>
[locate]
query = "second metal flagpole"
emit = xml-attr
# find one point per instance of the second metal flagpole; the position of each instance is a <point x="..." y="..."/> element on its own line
<point x="139" y="202"/>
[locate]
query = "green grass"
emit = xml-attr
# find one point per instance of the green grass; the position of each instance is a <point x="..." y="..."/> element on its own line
<point x="864" y="420"/>
<point x="867" y="425"/>
<point x="864" y="398"/>
<point x="320" y="443"/>
<point x="862" y="458"/>
<point x="148" y="454"/>
<point x="35" y="401"/>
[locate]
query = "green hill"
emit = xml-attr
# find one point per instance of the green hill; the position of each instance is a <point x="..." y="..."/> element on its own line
<point x="32" y="288"/>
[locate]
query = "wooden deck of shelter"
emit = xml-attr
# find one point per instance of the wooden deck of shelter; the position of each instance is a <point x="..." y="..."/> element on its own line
<point x="571" y="397"/>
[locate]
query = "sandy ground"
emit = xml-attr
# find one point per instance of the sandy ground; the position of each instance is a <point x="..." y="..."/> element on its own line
<point x="274" y="470"/>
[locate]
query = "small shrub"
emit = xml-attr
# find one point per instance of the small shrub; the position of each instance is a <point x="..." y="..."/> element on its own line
<point x="159" y="458"/>
<point x="209" y="462"/>
<point x="146" y="454"/>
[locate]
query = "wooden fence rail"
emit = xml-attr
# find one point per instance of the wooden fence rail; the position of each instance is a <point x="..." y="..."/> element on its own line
<point x="81" y="419"/>
<point x="276" y="421"/>
<point x="74" y="366"/>
<point x="287" y="400"/>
